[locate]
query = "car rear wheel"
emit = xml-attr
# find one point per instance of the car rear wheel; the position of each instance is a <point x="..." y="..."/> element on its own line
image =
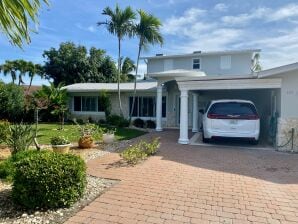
<point x="205" y="140"/>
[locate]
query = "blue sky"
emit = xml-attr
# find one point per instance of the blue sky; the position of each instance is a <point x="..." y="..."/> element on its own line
<point x="187" y="26"/>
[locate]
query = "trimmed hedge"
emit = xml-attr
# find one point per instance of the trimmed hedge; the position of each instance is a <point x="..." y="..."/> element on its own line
<point x="48" y="180"/>
<point x="139" y="123"/>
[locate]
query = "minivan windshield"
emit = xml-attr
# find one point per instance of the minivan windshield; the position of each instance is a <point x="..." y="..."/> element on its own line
<point x="232" y="108"/>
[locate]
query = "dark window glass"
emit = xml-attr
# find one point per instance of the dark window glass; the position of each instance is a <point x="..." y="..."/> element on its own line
<point x="77" y="103"/>
<point x="100" y="105"/>
<point x="196" y="63"/>
<point x="164" y="106"/>
<point x="136" y="105"/>
<point x="89" y="103"/>
<point x="233" y="108"/>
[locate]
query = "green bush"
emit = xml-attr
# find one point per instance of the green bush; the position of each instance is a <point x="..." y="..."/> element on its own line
<point x="59" y="140"/>
<point x="140" y="151"/>
<point x="7" y="167"/>
<point x="118" y="121"/>
<point x="150" y="148"/>
<point x="48" y="180"/>
<point x="133" y="154"/>
<point x="4" y="130"/>
<point x="139" y="123"/>
<point x="150" y="124"/>
<point x="20" y="137"/>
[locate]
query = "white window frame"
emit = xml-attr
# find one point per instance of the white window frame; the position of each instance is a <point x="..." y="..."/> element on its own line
<point x="193" y="63"/>
<point x="85" y="111"/>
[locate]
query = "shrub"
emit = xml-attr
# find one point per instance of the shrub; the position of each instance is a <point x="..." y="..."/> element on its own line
<point x="133" y="154"/>
<point x="12" y="101"/>
<point x="7" y="167"/>
<point x="139" y="123"/>
<point x="20" y="137"/>
<point x="118" y="121"/>
<point x="48" y="180"/>
<point x="150" y="124"/>
<point x="59" y="140"/>
<point x="151" y="148"/>
<point x="4" y="130"/>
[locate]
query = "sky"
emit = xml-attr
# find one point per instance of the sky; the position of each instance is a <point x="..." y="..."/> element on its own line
<point x="188" y="25"/>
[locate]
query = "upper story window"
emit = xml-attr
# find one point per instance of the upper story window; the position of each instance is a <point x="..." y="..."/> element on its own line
<point x="196" y="63"/>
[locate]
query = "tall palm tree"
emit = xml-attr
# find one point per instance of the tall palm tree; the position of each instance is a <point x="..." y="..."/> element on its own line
<point x="21" y="67"/>
<point x="34" y="69"/>
<point x="15" y="18"/>
<point x="9" y="68"/>
<point x="127" y="67"/>
<point x="148" y="32"/>
<point x="120" y="24"/>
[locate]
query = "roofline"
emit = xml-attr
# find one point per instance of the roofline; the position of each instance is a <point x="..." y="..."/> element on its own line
<point x="277" y="70"/>
<point x="204" y="53"/>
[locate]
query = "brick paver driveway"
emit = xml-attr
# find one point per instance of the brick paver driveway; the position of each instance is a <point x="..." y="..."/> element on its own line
<point x="194" y="184"/>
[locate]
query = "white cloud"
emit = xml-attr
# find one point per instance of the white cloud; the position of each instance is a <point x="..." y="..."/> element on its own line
<point x="221" y="7"/>
<point x="189" y="24"/>
<point x="268" y="14"/>
<point x="285" y="12"/>
<point x="88" y="28"/>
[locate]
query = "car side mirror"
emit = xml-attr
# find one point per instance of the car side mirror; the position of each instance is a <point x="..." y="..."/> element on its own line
<point x="201" y="111"/>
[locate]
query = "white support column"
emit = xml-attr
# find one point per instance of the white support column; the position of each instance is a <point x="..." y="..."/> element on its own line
<point x="159" y="108"/>
<point x="195" y="113"/>
<point x="183" y="139"/>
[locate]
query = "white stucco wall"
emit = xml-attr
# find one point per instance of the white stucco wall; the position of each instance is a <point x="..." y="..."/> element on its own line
<point x="210" y="64"/>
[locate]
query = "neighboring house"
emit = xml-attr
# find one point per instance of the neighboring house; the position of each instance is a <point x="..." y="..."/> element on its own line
<point x="179" y="85"/>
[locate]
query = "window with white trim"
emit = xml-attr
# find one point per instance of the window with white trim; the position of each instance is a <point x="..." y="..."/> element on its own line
<point x="196" y="63"/>
<point x="87" y="104"/>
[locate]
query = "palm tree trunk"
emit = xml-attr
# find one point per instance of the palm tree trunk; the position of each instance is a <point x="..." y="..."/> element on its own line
<point x="135" y="83"/>
<point x="118" y="78"/>
<point x="30" y="84"/>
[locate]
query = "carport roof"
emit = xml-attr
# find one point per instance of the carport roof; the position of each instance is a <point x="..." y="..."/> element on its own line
<point x="277" y="70"/>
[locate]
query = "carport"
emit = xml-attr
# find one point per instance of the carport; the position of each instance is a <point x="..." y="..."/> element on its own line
<point x="265" y="93"/>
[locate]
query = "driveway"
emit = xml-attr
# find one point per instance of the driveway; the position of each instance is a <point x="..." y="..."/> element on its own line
<point x="195" y="184"/>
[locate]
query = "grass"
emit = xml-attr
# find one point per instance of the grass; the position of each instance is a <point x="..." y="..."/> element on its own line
<point x="48" y="130"/>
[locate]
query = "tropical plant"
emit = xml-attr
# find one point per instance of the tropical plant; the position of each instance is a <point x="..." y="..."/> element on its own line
<point x="120" y="24"/>
<point x="256" y="67"/>
<point x="105" y="102"/>
<point x="127" y="67"/>
<point x="59" y="140"/>
<point x="32" y="70"/>
<point x="8" y="68"/>
<point x="20" y="137"/>
<point x="15" y="18"/>
<point x="148" y="32"/>
<point x="4" y="130"/>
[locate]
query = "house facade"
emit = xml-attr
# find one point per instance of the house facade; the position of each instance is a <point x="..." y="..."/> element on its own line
<point x="178" y="86"/>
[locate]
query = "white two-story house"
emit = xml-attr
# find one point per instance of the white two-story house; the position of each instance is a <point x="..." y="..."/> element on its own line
<point x="178" y="86"/>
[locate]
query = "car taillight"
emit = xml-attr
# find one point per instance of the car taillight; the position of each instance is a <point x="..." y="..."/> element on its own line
<point x="252" y="117"/>
<point x="216" y="116"/>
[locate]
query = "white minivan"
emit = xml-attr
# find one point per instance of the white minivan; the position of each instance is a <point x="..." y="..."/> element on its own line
<point x="231" y="119"/>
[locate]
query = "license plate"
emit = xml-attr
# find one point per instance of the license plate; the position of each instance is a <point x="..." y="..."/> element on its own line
<point x="233" y="122"/>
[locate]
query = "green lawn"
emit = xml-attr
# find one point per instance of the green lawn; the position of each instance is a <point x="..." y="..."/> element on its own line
<point x="48" y="130"/>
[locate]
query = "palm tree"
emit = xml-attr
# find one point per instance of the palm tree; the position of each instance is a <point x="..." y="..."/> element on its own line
<point x="120" y="23"/>
<point x="148" y="32"/>
<point x="9" y="68"/>
<point x="34" y="69"/>
<point x="21" y="67"/>
<point x="15" y="17"/>
<point x="127" y="67"/>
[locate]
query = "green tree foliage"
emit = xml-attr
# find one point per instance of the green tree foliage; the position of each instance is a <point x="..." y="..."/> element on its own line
<point x="15" y="18"/>
<point x="12" y="101"/>
<point x="72" y="63"/>
<point x="127" y="67"/>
